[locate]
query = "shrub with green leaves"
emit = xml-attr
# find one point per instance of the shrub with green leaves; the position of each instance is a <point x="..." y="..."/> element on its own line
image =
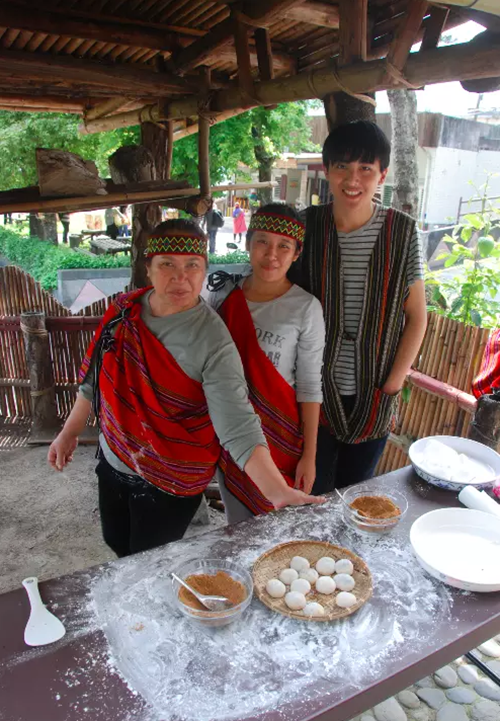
<point x="470" y="296"/>
<point x="42" y="259"/>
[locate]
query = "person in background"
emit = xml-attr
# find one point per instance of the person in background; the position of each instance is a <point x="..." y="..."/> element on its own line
<point x="214" y="220"/>
<point x="279" y="332"/>
<point x="114" y="220"/>
<point x="167" y="387"/>
<point x="239" y="224"/>
<point x="64" y="218"/>
<point x="124" y="228"/>
<point x="364" y="263"/>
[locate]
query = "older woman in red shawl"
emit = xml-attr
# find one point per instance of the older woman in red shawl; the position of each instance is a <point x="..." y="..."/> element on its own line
<point x="239" y="224"/>
<point x="167" y="386"/>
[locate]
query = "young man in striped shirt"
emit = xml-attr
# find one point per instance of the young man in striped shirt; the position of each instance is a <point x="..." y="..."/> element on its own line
<point x="364" y="263"/>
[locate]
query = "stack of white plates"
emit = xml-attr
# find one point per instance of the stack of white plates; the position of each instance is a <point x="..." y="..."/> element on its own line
<point x="460" y="547"/>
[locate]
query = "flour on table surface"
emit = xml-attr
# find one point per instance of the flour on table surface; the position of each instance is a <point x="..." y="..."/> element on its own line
<point x="265" y="660"/>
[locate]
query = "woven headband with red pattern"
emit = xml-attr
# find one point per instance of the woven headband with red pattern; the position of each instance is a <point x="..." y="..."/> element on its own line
<point x="280" y="225"/>
<point x="176" y="242"/>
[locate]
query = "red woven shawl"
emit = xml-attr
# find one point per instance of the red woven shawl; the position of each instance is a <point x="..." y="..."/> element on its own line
<point x="153" y="416"/>
<point x="274" y="401"/>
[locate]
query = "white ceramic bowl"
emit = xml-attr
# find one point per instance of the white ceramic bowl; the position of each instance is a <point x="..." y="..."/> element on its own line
<point x="459" y="547"/>
<point x="473" y="449"/>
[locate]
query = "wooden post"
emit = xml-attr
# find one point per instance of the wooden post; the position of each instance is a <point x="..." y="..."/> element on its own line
<point x="485" y="428"/>
<point x="341" y="107"/>
<point x="43" y="396"/>
<point x="204" y="142"/>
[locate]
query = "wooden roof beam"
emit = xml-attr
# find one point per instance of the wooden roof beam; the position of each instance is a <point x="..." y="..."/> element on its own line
<point x="41" y="103"/>
<point x="282" y="62"/>
<point x="454" y="62"/>
<point x="353" y="31"/>
<point x="316" y="13"/>
<point x="120" y="77"/>
<point x="255" y="11"/>
<point x="245" y="78"/>
<point x="264" y="54"/>
<point x="438" y="17"/>
<point x="407" y="33"/>
<point x="43" y="21"/>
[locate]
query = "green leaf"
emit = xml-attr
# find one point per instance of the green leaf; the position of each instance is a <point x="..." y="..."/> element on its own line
<point x="457" y="304"/>
<point x="466" y="234"/>
<point x="485" y="245"/>
<point x="406" y="394"/>
<point x="475" y="317"/>
<point x="439" y="299"/>
<point x="475" y="220"/>
<point x="451" y="260"/>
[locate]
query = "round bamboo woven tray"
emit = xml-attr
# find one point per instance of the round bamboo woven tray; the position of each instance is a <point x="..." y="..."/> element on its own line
<point x="271" y="563"/>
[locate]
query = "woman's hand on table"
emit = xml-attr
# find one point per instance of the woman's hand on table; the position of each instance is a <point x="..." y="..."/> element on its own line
<point x="61" y="450"/>
<point x="305" y="474"/>
<point x="293" y="497"/>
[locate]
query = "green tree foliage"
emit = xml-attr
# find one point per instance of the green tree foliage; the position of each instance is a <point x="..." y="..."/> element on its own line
<point x="232" y="142"/>
<point x="22" y="133"/>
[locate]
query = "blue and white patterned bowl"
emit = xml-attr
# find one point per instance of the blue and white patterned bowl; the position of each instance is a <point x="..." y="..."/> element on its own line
<point x="473" y="449"/>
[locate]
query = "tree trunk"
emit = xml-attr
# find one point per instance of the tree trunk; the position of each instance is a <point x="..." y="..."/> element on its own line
<point x="132" y="164"/>
<point x="265" y="162"/>
<point x="343" y="108"/>
<point x="404" y="148"/>
<point x="44" y="226"/>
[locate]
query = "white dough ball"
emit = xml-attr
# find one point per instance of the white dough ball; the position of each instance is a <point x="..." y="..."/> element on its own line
<point x="325" y="566"/>
<point x="345" y="600"/>
<point x="301" y="585"/>
<point x="344" y="566"/>
<point x="344" y="582"/>
<point x="314" y="609"/>
<point x="275" y="588"/>
<point x="288" y="575"/>
<point x="299" y="563"/>
<point x="326" y="585"/>
<point x="295" y="600"/>
<point x="310" y="574"/>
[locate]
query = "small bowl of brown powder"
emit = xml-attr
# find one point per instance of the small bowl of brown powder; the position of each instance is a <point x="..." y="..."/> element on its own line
<point x="213" y="577"/>
<point x="373" y="508"/>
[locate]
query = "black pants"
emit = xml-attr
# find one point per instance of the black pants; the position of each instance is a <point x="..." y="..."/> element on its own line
<point x="65" y="225"/>
<point x="137" y="516"/>
<point x="112" y="231"/>
<point x="341" y="464"/>
<point x="234" y="236"/>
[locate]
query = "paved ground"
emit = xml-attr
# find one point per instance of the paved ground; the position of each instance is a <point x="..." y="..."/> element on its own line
<point x="50" y="526"/>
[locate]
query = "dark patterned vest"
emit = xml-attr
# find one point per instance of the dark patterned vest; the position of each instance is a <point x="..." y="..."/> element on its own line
<point x="319" y="271"/>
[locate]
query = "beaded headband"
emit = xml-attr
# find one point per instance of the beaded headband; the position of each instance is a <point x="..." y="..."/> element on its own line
<point x="176" y="242"/>
<point x="280" y="225"/>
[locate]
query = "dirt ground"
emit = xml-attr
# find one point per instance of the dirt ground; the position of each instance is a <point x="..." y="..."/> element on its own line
<point x="49" y="521"/>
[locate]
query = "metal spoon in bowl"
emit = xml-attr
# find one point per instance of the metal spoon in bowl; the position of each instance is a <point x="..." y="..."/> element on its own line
<point x="339" y="494"/>
<point x="212" y="603"/>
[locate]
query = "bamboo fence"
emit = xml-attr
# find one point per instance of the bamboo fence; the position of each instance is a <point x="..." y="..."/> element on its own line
<point x="451" y="352"/>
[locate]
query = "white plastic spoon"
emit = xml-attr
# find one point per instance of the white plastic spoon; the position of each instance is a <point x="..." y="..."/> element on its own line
<point x="42" y="627"/>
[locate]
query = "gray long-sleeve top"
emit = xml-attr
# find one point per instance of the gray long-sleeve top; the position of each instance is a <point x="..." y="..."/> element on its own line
<point x="291" y="332"/>
<point x="202" y="346"/>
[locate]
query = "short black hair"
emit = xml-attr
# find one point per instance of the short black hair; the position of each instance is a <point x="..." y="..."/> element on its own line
<point x="361" y="141"/>
<point x="278" y="209"/>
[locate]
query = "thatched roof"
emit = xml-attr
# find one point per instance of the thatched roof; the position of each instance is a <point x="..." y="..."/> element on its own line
<point x="74" y="54"/>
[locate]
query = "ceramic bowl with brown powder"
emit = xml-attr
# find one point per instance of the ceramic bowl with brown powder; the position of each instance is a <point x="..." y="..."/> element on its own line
<point x="213" y="577"/>
<point x="374" y="507"/>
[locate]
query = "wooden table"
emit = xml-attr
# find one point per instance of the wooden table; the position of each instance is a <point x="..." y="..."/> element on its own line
<point x="101" y="245"/>
<point x="73" y="678"/>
